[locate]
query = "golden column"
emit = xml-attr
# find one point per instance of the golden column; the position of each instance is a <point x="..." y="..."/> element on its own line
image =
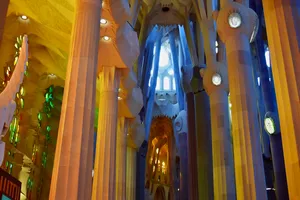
<point x="104" y="184"/>
<point x="236" y="25"/>
<point x="282" y="22"/>
<point x="130" y="173"/>
<point x="72" y="171"/>
<point x="121" y="150"/>
<point x="216" y="85"/>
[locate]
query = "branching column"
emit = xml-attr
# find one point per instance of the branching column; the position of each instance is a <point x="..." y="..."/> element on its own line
<point x="105" y="161"/>
<point x="223" y="167"/>
<point x="282" y="22"/>
<point x="236" y="27"/>
<point x="121" y="159"/>
<point x="72" y="171"/>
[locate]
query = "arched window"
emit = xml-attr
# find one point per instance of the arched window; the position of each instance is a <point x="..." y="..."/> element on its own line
<point x="267" y="56"/>
<point x="158" y="84"/>
<point x="167" y="84"/>
<point x="174" y="84"/>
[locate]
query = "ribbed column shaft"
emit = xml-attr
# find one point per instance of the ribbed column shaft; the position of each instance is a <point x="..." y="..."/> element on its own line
<point x="72" y="171"/>
<point x="105" y="162"/>
<point x="192" y="148"/>
<point x="223" y="167"/>
<point x="121" y="159"/>
<point x="249" y="172"/>
<point x="282" y="23"/>
<point x="130" y="173"/>
<point x="183" y="166"/>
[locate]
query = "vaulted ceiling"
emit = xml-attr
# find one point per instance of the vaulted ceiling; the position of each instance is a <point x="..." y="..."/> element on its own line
<point x="48" y="27"/>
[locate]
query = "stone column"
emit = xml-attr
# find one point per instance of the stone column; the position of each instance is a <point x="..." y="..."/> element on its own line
<point x="191" y="137"/>
<point x="121" y="159"/>
<point x="203" y="134"/>
<point x="3" y="11"/>
<point x="140" y="171"/>
<point x="105" y="162"/>
<point x="130" y="173"/>
<point x="72" y="172"/>
<point x="183" y="166"/>
<point x="249" y="171"/>
<point x="223" y="166"/>
<point x="282" y="23"/>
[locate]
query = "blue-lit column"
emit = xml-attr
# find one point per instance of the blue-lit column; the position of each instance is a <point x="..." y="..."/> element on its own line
<point x="175" y="56"/>
<point x="151" y="98"/>
<point x="147" y="75"/>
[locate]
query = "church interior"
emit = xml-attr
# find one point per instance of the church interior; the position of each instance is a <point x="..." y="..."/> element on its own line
<point x="149" y="99"/>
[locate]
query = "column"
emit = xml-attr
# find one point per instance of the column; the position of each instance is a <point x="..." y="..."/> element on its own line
<point x="105" y="162"/>
<point x="204" y="143"/>
<point x="140" y="171"/>
<point x="130" y="173"/>
<point x="191" y="137"/>
<point x="72" y="171"/>
<point x="183" y="166"/>
<point x="192" y="147"/>
<point x="236" y="27"/>
<point x="121" y="159"/>
<point x="282" y="23"/>
<point x="3" y="11"/>
<point x="223" y="166"/>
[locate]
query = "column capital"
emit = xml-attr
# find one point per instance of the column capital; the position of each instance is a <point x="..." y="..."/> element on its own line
<point x="109" y="79"/>
<point x="235" y="18"/>
<point x="215" y="77"/>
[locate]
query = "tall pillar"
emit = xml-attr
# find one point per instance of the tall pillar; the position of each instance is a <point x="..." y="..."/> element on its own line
<point x="183" y="166"/>
<point x="191" y="137"/>
<point x="140" y="171"/>
<point x="203" y="135"/>
<point x="282" y="23"/>
<point x="72" y="172"/>
<point x="130" y="173"/>
<point x="236" y="27"/>
<point x="3" y="11"/>
<point x="121" y="159"/>
<point x="223" y="166"/>
<point x="105" y="162"/>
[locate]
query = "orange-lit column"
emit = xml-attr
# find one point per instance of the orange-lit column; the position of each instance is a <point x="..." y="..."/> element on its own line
<point x="3" y="10"/>
<point x="130" y="173"/>
<point x="72" y="171"/>
<point x="236" y="24"/>
<point x="282" y="22"/>
<point x="216" y="85"/>
<point x="121" y="149"/>
<point x="104" y="184"/>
